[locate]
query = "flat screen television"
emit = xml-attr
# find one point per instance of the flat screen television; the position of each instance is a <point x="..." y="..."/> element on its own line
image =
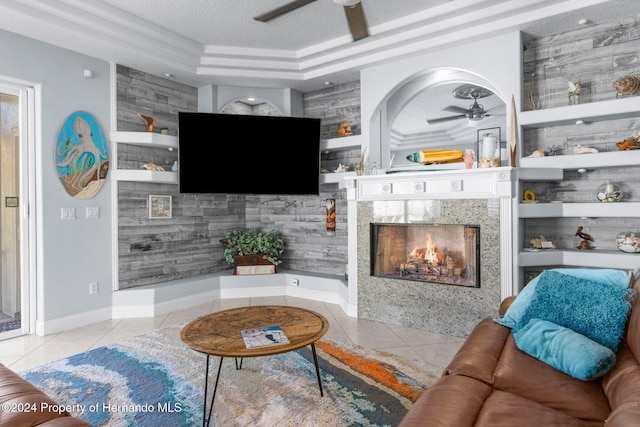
<point x="243" y="154"/>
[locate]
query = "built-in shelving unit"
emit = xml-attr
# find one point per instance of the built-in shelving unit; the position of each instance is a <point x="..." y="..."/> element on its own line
<point x="555" y="166"/>
<point x="144" y="139"/>
<point x="345" y="143"/>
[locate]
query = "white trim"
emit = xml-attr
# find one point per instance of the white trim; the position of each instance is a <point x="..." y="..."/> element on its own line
<point x="113" y="101"/>
<point x="71" y="322"/>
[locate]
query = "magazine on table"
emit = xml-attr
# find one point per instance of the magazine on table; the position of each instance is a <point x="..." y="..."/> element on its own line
<point x="263" y="336"/>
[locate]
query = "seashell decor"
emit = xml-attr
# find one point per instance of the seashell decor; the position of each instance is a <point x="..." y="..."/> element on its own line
<point x="628" y="242"/>
<point x="627" y="85"/>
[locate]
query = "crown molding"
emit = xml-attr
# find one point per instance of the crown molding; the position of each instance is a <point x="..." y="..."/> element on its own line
<point x="97" y="29"/>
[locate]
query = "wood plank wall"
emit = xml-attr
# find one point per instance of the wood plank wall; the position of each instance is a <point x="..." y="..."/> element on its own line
<point x="188" y="244"/>
<point x="596" y="56"/>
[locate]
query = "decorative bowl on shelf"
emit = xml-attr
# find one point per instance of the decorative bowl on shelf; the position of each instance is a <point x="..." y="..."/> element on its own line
<point x="628" y="242"/>
<point x="609" y="193"/>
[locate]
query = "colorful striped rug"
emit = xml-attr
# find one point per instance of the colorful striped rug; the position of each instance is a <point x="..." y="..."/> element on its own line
<point x="156" y="380"/>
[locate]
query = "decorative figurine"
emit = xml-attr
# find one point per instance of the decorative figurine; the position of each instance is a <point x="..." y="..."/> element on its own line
<point x="341" y="168"/>
<point x="529" y="196"/>
<point x="579" y="149"/>
<point x="586" y="238"/>
<point x="330" y="207"/>
<point x="150" y="121"/>
<point x="537" y="153"/>
<point x="574" y="93"/>
<point x="152" y="167"/>
<point x="631" y="143"/>
<point x="468" y="158"/>
<point x="360" y="163"/>
<point x="542" y="243"/>
<point x="627" y="85"/>
<point x="345" y="129"/>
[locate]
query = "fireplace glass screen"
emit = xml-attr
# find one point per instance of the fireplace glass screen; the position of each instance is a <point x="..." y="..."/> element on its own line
<point x="437" y="253"/>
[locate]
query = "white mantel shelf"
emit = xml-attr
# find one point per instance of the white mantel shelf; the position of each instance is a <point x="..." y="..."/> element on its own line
<point x="484" y="183"/>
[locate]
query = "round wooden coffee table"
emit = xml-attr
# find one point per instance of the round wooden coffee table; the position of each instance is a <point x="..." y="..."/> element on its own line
<point x="219" y="334"/>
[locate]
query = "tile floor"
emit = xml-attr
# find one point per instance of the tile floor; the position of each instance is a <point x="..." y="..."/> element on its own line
<point x="420" y="346"/>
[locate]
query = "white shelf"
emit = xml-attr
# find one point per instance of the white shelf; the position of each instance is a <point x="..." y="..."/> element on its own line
<point x="352" y="142"/>
<point x="575" y="257"/>
<point x="584" y="161"/>
<point x="579" y="210"/>
<point x="589" y="112"/>
<point x="145" y="139"/>
<point x="161" y="177"/>
<point x="540" y="174"/>
<point x="552" y="168"/>
<point x="336" y="177"/>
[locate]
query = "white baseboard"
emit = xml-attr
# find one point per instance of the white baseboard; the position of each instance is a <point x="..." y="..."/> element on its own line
<point x="162" y="298"/>
<point x="70" y="322"/>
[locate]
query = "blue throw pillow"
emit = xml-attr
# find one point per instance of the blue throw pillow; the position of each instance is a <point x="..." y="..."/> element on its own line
<point x="564" y="349"/>
<point x="596" y="310"/>
<point x="608" y="276"/>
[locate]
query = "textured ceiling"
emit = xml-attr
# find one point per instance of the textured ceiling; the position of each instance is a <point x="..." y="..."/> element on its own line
<point x="200" y="42"/>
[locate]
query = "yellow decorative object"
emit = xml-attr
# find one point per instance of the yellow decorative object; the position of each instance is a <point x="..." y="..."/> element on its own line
<point x="427" y="157"/>
<point x="529" y="196"/>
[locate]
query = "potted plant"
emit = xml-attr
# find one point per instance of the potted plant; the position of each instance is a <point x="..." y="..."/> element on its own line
<point x="252" y="247"/>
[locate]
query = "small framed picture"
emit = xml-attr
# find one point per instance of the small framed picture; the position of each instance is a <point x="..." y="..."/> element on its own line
<point x="159" y="206"/>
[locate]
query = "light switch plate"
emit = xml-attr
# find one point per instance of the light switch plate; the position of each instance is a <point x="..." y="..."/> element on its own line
<point x="93" y="212"/>
<point x="68" y="213"/>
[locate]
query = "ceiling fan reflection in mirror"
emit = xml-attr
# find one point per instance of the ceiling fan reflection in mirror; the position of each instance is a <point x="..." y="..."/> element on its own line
<point x="475" y="111"/>
<point x="352" y="9"/>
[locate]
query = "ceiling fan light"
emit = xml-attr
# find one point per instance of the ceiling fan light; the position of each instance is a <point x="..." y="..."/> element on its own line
<point x="346" y="2"/>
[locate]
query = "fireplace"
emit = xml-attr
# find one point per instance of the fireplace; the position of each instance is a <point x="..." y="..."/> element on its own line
<point x="438" y="253"/>
<point x="481" y="198"/>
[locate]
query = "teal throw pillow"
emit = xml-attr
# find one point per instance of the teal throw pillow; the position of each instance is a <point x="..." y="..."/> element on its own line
<point x="596" y="310"/>
<point x="612" y="277"/>
<point x="564" y="349"/>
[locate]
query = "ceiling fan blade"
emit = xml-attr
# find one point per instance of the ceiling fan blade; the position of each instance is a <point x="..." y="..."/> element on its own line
<point x="445" y="119"/>
<point x="357" y="21"/>
<point x="456" y="109"/>
<point x="279" y="11"/>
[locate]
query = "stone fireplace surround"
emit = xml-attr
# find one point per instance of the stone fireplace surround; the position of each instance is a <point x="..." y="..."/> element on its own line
<point x="476" y="197"/>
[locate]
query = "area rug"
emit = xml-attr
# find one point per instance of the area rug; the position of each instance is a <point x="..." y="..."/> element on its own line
<point x="156" y="380"/>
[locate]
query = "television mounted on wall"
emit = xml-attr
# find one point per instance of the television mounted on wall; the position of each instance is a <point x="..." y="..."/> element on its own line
<point x="244" y="154"/>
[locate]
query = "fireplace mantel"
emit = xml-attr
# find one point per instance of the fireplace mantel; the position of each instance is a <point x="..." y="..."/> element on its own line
<point x="496" y="185"/>
<point x="485" y="183"/>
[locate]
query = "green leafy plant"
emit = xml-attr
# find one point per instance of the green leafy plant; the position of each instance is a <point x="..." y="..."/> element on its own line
<point x="269" y="244"/>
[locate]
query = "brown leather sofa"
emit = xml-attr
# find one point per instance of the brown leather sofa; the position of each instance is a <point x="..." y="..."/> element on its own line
<point x="22" y="404"/>
<point x="490" y="382"/>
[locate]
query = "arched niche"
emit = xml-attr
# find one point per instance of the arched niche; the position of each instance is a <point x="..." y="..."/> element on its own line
<point x="259" y="107"/>
<point x="435" y="109"/>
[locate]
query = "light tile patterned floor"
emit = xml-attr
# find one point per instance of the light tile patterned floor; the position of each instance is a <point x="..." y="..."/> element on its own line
<point x="421" y="346"/>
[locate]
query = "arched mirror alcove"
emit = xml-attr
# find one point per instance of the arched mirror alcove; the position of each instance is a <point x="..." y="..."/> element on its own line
<point x="257" y="107"/>
<point x="445" y="109"/>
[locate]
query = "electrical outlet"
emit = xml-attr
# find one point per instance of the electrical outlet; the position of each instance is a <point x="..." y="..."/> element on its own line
<point x="93" y="287"/>
<point x="294" y="282"/>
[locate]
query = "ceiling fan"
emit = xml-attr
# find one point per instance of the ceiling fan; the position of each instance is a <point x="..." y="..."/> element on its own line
<point x="474" y="112"/>
<point x="352" y="8"/>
